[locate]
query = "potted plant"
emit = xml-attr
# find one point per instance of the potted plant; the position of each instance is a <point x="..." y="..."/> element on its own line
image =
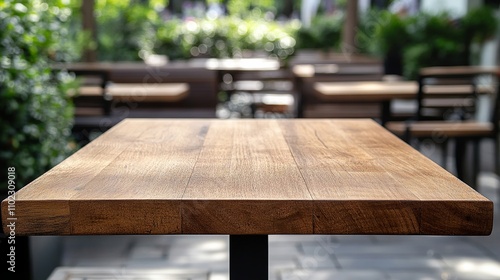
<point x="440" y="40"/>
<point x="435" y="41"/>
<point x="390" y="38"/>
<point x="478" y="25"/>
<point x="324" y="33"/>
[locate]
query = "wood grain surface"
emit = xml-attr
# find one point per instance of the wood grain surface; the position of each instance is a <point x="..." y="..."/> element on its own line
<point x="162" y="176"/>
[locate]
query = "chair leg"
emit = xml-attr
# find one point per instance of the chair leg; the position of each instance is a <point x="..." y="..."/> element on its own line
<point x="407" y="135"/>
<point x="497" y="155"/>
<point x="444" y="154"/>
<point x="476" y="164"/>
<point x="459" y="157"/>
<point x="497" y="161"/>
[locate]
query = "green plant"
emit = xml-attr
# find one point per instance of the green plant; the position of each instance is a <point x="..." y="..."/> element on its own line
<point x="125" y="27"/>
<point x="224" y="37"/>
<point x="36" y="114"/>
<point x="439" y="40"/>
<point x="244" y="8"/>
<point x="169" y="41"/>
<point x="367" y="24"/>
<point x="479" y="24"/>
<point x="390" y="34"/>
<point x="324" y="33"/>
<point x="427" y="39"/>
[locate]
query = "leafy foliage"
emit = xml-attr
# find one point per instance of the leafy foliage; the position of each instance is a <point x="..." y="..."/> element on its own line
<point x="479" y="24"/>
<point x="427" y="39"/>
<point x="367" y="24"/>
<point x="36" y="114"/>
<point x="133" y="29"/>
<point x="125" y="27"/>
<point x="324" y="33"/>
<point x="138" y="29"/>
<point x="391" y="34"/>
<point x="244" y="7"/>
<point x="224" y="37"/>
<point x="437" y="41"/>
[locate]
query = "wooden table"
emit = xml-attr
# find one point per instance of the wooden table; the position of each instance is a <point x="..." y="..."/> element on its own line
<point x="367" y="91"/>
<point x="234" y="72"/>
<point x="311" y="70"/>
<point x="242" y="64"/>
<point x="460" y="70"/>
<point x="374" y="91"/>
<point x="248" y="179"/>
<point x="172" y="92"/>
<point x="306" y="75"/>
<point x="229" y="69"/>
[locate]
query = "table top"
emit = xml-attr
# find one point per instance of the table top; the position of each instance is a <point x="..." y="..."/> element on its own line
<point x="160" y="92"/>
<point x="242" y="64"/>
<point x="367" y="91"/>
<point x="459" y="70"/>
<point x="311" y="70"/>
<point x="229" y="64"/>
<point x="193" y="176"/>
<point x="106" y="67"/>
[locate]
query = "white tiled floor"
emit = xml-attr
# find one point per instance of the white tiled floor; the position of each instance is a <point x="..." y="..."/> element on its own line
<point x="204" y="253"/>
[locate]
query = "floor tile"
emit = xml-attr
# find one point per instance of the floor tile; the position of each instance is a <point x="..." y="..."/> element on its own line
<point x="387" y="263"/>
<point x="316" y="262"/>
<point x="323" y="274"/>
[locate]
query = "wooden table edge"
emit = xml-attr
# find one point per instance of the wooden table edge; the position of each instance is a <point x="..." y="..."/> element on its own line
<point x="59" y="219"/>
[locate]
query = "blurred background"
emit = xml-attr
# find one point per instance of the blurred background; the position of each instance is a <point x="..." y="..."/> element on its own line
<point x="71" y="69"/>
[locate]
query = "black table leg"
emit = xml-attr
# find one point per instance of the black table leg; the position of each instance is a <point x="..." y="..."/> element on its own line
<point x="16" y="264"/>
<point x="385" y="114"/>
<point x="248" y="257"/>
<point x="460" y="146"/>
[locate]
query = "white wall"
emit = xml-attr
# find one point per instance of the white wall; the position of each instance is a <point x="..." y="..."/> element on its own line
<point x="363" y="6"/>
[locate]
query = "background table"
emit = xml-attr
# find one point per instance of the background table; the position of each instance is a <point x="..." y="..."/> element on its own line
<point x="263" y="82"/>
<point x="249" y="177"/>
<point x="375" y="91"/>
<point x="382" y="92"/>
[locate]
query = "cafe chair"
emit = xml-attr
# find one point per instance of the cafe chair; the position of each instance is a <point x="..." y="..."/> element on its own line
<point x="92" y="103"/>
<point x="447" y="109"/>
<point x="313" y="104"/>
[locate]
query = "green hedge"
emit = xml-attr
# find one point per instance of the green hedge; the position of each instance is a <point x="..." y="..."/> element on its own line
<point x="324" y="33"/>
<point x="125" y="27"/>
<point x="426" y="39"/>
<point x="230" y="36"/>
<point x="130" y="30"/>
<point x="224" y="37"/>
<point x="36" y="115"/>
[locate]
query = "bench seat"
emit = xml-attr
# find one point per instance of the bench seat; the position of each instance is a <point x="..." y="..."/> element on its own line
<point x="441" y="128"/>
